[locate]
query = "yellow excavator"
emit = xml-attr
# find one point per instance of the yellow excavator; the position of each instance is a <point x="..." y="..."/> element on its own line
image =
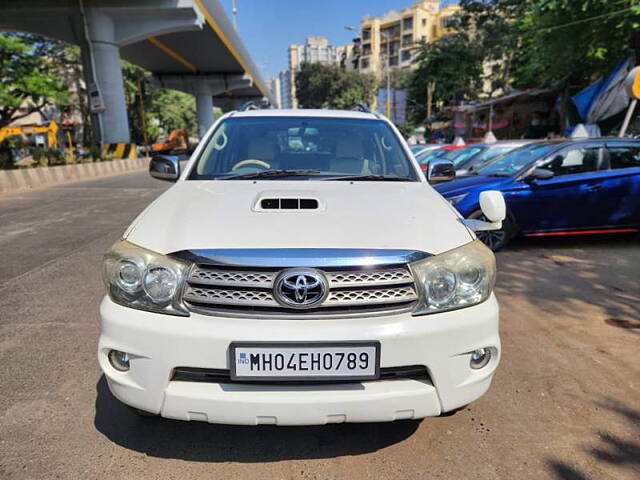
<point x="50" y="129"/>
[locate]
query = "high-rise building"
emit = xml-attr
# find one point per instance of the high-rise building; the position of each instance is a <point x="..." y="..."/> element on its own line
<point x="280" y="86"/>
<point x="313" y="50"/>
<point x="397" y="32"/>
<point x="285" y="90"/>
<point x="276" y="91"/>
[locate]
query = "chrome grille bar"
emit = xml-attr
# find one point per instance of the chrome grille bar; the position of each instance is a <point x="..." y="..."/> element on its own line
<point x="217" y="288"/>
<point x="248" y="298"/>
<point x="367" y="278"/>
<point x="234" y="278"/>
<point x="257" y="279"/>
<point x="252" y="298"/>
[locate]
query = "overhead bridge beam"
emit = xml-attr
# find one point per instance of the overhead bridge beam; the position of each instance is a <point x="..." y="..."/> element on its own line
<point x="180" y="37"/>
<point x="101" y="28"/>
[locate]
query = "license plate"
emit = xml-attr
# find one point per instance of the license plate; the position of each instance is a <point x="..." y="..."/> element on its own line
<point x="293" y="361"/>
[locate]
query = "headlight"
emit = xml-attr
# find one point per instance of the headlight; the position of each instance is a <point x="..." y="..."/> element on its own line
<point x="457" y="198"/>
<point x="139" y="278"/>
<point x="455" y="279"/>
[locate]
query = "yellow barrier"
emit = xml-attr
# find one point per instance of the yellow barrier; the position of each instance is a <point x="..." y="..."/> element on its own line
<point x="119" y="150"/>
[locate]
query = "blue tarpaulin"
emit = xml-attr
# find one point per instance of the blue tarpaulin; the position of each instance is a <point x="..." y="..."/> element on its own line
<point x="584" y="99"/>
<point x="605" y="97"/>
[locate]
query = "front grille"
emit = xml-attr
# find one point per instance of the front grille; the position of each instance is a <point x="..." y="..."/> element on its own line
<point x="218" y="375"/>
<point x="220" y="289"/>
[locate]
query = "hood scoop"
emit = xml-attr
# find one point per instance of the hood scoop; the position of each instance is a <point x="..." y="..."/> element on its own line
<point x="287" y="201"/>
<point x="288" y="204"/>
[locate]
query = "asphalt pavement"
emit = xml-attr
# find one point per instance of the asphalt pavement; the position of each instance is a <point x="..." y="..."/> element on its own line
<point x="565" y="403"/>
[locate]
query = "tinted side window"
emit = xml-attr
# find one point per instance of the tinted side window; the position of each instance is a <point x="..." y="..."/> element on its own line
<point x="577" y="160"/>
<point x="624" y="157"/>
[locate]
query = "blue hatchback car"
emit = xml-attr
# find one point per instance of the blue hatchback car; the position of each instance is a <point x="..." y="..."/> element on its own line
<point x="557" y="188"/>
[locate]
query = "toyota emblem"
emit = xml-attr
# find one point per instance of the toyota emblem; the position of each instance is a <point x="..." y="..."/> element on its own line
<point x="300" y="288"/>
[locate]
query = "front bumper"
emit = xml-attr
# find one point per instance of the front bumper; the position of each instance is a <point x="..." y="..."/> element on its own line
<point x="159" y="343"/>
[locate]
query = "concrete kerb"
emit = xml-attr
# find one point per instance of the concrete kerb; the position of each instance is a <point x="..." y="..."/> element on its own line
<point x="30" y="178"/>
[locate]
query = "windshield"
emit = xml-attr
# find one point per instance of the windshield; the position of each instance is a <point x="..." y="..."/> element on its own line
<point x="458" y="157"/>
<point x="303" y="148"/>
<point x="511" y="163"/>
<point x="489" y="154"/>
<point x="425" y="157"/>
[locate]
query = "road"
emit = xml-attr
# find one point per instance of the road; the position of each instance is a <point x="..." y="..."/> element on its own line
<point x="565" y="403"/>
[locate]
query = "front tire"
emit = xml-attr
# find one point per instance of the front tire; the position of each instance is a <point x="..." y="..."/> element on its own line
<point x="494" y="239"/>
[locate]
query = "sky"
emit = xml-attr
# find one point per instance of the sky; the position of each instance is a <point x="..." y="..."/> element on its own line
<point x="268" y="27"/>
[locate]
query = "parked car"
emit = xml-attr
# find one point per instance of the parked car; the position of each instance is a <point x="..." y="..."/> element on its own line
<point x="477" y="155"/>
<point x="300" y="271"/>
<point x="426" y="156"/>
<point x="557" y="188"/>
<point x="423" y="147"/>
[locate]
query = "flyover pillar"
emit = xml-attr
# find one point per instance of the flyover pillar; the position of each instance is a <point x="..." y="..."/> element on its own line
<point x="108" y="77"/>
<point x="204" y="110"/>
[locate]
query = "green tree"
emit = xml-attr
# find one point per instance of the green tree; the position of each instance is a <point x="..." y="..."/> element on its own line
<point x="565" y="42"/>
<point x="163" y="109"/>
<point x="559" y="44"/>
<point x="138" y="96"/>
<point x="551" y="43"/>
<point x="173" y="110"/>
<point x="452" y="64"/>
<point x="328" y="86"/>
<point x="29" y="81"/>
<point x="495" y="32"/>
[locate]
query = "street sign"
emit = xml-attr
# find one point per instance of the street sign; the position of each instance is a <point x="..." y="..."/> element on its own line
<point x="96" y="103"/>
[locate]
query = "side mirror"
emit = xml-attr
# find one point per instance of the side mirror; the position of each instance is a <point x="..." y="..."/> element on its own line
<point x="493" y="208"/>
<point x="440" y="170"/>
<point x="165" y="167"/>
<point x="540" y="174"/>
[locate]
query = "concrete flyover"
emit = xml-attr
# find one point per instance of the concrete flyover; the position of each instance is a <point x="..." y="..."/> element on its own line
<point x="188" y="45"/>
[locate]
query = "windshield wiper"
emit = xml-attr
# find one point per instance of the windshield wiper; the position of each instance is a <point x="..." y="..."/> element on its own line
<point x="382" y="178"/>
<point x="272" y="174"/>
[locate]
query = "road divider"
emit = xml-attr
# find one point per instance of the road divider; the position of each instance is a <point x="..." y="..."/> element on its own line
<point x="30" y="178"/>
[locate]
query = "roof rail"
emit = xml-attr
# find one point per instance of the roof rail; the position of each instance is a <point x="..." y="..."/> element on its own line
<point x="250" y="105"/>
<point x="359" y="107"/>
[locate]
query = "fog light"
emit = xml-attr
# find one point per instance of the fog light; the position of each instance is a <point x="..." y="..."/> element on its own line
<point x="119" y="360"/>
<point x="480" y="358"/>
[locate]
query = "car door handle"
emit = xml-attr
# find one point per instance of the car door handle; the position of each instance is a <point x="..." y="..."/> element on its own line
<point x="594" y="187"/>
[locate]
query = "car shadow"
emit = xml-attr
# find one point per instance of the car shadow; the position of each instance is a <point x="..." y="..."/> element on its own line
<point x="557" y="274"/>
<point x="607" y="449"/>
<point x="574" y="241"/>
<point x="203" y="442"/>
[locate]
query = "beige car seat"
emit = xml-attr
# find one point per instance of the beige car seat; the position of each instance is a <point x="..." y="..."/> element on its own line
<point x="262" y="148"/>
<point x="349" y="157"/>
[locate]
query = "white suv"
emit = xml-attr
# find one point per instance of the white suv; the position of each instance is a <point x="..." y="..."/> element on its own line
<point x="300" y="271"/>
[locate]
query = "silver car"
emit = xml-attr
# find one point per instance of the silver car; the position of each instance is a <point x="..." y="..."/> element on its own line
<point x="476" y="155"/>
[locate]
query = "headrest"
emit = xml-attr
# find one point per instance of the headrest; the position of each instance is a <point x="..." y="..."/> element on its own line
<point x="349" y="147"/>
<point x="262" y="148"/>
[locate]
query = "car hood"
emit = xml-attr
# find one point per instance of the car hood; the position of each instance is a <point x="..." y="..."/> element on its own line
<point x="368" y="215"/>
<point x="464" y="184"/>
